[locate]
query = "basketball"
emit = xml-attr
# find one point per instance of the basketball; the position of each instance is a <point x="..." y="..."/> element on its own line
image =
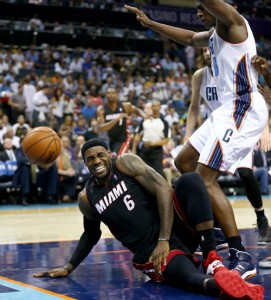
<point x="41" y="145"/>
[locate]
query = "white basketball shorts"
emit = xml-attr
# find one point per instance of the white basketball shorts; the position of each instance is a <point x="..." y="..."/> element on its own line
<point x="231" y="132"/>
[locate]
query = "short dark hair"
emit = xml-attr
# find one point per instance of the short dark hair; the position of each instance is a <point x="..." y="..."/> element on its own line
<point x="93" y="143"/>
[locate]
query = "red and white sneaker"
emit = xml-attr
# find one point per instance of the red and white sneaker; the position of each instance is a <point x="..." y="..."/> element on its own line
<point x="234" y="287"/>
<point x="213" y="263"/>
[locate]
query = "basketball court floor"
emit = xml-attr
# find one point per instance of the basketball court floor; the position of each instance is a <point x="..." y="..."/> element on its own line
<point x="41" y="237"/>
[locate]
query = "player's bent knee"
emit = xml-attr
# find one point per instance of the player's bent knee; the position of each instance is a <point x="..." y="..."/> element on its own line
<point x="190" y="180"/>
<point x="183" y="166"/>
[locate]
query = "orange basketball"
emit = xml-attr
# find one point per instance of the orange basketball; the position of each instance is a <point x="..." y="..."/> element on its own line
<point x="41" y="145"/>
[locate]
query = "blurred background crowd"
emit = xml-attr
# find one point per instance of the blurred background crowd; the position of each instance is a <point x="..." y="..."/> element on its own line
<point x="47" y="82"/>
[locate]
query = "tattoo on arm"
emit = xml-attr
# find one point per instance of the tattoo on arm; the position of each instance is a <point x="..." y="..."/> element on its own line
<point x="130" y="164"/>
<point x="134" y="166"/>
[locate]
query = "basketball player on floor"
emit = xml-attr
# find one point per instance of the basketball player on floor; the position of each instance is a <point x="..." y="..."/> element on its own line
<point x="161" y="228"/>
<point x="112" y="117"/>
<point x="235" y="127"/>
<point x="204" y="86"/>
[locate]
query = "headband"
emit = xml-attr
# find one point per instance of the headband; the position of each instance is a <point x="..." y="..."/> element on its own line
<point x="93" y="143"/>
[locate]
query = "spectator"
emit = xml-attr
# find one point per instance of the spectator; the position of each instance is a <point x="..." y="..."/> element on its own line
<point x="35" y="24"/>
<point x="67" y="176"/>
<point x="66" y="128"/>
<point x="29" y="91"/>
<point x="261" y="164"/>
<point x="57" y="105"/>
<point x="30" y="177"/>
<point x="81" y="127"/>
<point x="41" y="107"/>
<point x="17" y="102"/>
<point x="89" y="110"/>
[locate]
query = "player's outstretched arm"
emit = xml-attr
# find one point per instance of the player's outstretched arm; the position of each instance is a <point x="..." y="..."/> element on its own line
<point x="89" y="238"/>
<point x="182" y="36"/>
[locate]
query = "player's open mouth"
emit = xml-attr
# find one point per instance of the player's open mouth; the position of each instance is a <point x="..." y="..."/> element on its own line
<point x="99" y="169"/>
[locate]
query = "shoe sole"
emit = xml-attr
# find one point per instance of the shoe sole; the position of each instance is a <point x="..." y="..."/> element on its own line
<point x="265" y="263"/>
<point x="247" y="274"/>
<point x="263" y="243"/>
<point x="232" y="285"/>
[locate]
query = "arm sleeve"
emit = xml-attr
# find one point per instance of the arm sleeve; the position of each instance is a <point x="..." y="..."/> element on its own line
<point x="88" y="239"/>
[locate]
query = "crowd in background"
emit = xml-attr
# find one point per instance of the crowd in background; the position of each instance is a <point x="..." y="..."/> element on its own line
<point x="62" y="88"/>
<point x="254" y="9"/>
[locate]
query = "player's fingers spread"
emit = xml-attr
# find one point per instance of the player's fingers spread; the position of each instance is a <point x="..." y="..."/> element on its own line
<point x="56" y="273"/>
<point x="41" y="274"/>
<point x="131" y="8"/>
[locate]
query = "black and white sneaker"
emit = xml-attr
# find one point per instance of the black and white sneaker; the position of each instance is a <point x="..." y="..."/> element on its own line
<point x="264" y="231"/>
<point x="265" y="263"/>
<point x="241" y="261"/>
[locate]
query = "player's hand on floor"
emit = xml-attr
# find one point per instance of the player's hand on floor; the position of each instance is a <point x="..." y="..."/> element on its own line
<point x="61" y="272"/>
<point x="159" y="255"/>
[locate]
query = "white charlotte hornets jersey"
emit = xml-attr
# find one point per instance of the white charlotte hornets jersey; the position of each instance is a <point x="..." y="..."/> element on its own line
<point x="240" y="114"/>
<point x="208" y="89"/>
<point x="231" y="66"/>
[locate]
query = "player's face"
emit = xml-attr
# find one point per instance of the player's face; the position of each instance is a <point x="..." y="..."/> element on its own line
<point x="206" y="18"/>
<point x="111" y="95"/>
<point x="98" y="161"/>
<point x="207" y="56"/>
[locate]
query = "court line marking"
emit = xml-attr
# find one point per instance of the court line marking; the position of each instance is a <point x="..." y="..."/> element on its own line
<point x="35" y="288"/>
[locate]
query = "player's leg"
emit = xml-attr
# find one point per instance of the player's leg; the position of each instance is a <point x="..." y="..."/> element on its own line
<point x="255" y="198"/>
<point x="182" y="272"/>
<point x="187" y="158"/>
<point x="193" y="207"/>
<point x="239" y="259"/>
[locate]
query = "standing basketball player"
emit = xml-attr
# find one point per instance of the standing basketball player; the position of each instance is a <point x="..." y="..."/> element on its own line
<point x="235" y="127"/>
<point x="161" y="228"/>
<point x="112" y="117"/>
<point x="261" y="65"/>
<point x="204" y="86"/>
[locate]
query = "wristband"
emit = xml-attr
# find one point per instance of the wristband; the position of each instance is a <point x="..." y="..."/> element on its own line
<point x="67" y="268"/>
<point x="163" y="239"/>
